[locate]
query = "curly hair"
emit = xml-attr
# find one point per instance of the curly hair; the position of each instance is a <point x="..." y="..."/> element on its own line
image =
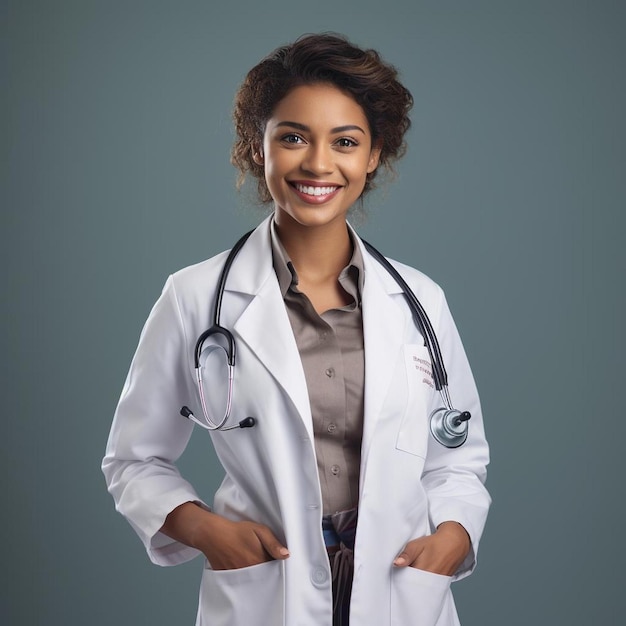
<point x="312" y="59"/>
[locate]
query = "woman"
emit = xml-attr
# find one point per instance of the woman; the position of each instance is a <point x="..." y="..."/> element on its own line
<point x="337" y="505"/>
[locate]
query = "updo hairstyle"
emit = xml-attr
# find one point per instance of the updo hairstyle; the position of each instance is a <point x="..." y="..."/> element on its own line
<point x="313" y="59"/>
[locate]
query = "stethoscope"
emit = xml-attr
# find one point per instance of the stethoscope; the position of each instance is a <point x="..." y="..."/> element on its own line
<point x="447" y="425"/>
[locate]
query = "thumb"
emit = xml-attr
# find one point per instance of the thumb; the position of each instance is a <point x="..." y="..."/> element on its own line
<point x="409" y="554"/>
<point x="270" y="544"/>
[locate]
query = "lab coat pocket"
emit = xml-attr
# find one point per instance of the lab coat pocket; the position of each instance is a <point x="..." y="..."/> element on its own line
<point x="251" y="595"/>
<point x="418" y="594"/>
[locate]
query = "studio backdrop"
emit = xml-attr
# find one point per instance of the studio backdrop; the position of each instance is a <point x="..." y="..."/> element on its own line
<point x="115" y="173"/>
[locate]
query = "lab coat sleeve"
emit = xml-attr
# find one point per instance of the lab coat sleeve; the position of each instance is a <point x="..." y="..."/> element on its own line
<point x="148" y="433"/>
<point x="454" y="478"/>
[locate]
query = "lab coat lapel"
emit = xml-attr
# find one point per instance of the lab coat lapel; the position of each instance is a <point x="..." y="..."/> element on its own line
<point x="264" y="324"/>
<point x="384" y="325"/>
<point x="265" y="327"/>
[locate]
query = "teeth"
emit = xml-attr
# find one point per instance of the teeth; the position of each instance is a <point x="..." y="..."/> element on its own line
<point x="315" y="191"/>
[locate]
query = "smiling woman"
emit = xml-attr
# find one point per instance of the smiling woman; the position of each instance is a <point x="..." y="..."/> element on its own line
<point x="321" y="59"/>
<point x="337" y="506"/>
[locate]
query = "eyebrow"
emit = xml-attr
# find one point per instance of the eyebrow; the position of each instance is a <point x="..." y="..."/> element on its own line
<point x="337" y="129"/>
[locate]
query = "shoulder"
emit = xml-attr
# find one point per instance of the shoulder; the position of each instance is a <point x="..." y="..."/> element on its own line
<point x="419" y="282"/>
<point x="416" y="277"/>
<point x="422" y="285"/>
<point x="197" y="276"/>
<point x="249" y="265"/>
<point x="427" y="291"/>
<point x="191" y="290"/>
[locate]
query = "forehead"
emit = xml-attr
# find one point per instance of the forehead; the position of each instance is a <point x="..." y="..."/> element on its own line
<point x="319" y="105"/>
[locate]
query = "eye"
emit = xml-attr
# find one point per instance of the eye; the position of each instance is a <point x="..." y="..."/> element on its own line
<point x="292" y="138"/>
<point x="346" y="142"/>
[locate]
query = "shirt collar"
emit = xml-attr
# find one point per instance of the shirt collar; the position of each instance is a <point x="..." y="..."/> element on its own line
<point x="351" y="277"/>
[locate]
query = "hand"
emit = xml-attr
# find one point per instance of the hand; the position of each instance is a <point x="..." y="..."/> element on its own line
<point x="226" y="544"/>
<point x="233" y="545"/>
<point x="440" y="553"/>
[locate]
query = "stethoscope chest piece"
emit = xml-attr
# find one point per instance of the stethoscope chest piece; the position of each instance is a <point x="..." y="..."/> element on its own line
<point x="449" y="427"/>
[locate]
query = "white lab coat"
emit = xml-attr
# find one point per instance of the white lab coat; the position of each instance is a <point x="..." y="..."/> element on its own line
<point x="408" y="484"/>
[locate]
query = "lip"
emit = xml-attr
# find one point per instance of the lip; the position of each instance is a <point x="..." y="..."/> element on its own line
<point x="309" y="198"/>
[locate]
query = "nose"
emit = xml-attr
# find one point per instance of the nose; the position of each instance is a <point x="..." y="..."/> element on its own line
<point x="318" y="160"/>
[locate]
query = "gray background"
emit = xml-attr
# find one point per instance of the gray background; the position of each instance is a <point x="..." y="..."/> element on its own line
<point x="115" y="139"/>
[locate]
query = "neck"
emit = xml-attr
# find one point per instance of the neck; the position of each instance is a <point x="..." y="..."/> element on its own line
<point x="317" y="252"/>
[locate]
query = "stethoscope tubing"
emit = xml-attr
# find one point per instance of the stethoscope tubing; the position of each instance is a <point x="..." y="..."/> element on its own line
<point x="452" y="416"/>
<point x="421" y="318"/>
<point x="216" y="328"/>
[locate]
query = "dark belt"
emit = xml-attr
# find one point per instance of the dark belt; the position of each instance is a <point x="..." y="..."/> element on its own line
<point x="339" y="534"/>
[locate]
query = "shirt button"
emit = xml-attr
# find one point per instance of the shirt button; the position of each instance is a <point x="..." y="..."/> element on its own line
<point x="331" y="428"/>
<point x="319" y="576"/>
<point x="334" y="470"/>
<point x="330" y="372"/>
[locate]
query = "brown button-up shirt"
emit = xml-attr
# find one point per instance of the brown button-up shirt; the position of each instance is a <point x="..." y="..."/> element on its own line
<point x="331" y="349"/>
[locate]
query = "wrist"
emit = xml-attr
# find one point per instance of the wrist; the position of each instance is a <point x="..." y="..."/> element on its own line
<point x="190" y="524"/>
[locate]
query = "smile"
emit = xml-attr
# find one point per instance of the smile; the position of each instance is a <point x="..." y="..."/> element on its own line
<point x="310" y="190"/>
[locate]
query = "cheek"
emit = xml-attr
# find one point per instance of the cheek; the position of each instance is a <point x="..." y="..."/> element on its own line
<point x="274" y="179"/>
<point x="358" y="171"/>
<point x="270" y="172"/>
<point x="276" y="165"/>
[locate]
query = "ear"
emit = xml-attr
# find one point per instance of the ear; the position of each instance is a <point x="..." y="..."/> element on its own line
<point x="257" y="155"/>
<point x="374" y="159"/>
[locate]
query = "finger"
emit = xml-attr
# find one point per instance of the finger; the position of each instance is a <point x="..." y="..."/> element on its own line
<point x="409" y="554"/>
<point x="270" y="544"/>
<point x="402" y="560"/>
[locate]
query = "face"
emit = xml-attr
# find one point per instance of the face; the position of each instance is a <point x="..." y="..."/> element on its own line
<point x="317" y="152"/>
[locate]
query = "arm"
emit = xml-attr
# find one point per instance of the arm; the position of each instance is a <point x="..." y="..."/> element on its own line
<point x="147" y="438"/>
<point x="226" y="544"/>
<point x="453" y="478"/>
<point x="148" y="435"/>
<point x="441" y="553"/>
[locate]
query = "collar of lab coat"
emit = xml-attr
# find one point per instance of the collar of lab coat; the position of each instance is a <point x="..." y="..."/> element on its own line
<point x="385" y="317"/>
